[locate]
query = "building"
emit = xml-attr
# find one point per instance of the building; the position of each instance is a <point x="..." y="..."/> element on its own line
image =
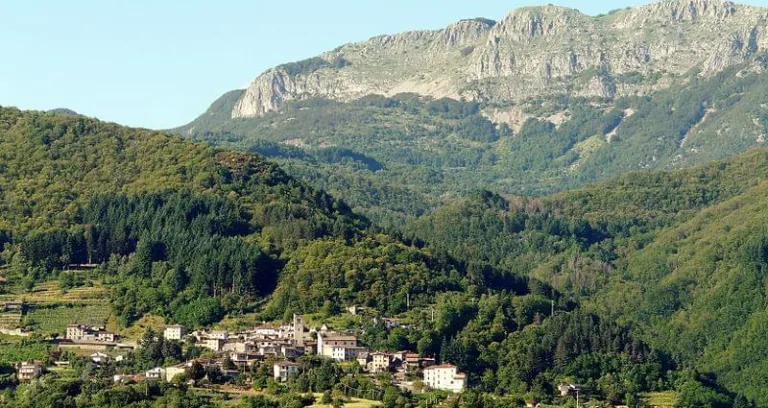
<point x="99" y="357"/>
<point x="30" y="369"/>
<point x="363" y="359"/>
<point x="214" y="344"/>
<point x="157" y="373"/>
<point x="219" y="334"/>
<point x="565" y="389"/>
<point x="243" y="358"/>
<point x="380" y="362"/>
<point x="391" y="323"/>
<point x="298" y="330"/>
<point x="445" y="377"/>
<point x="343" y="353"/>
<point x="175" y="371"/>
<point x="83" y="333"/>
<point x="175" y="332"/>
<point x="285" y="369"/>
<point x="340" y="347"/>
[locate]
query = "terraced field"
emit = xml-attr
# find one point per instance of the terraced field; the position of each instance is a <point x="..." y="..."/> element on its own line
<point x="50" y="309"/>
<point x="42" y="319"/>
<point x="10" y="320"/>
<point x="50" y="293"/>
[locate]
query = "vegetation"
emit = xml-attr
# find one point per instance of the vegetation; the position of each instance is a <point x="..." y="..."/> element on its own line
<point x="649" y="283"/>
<point x="406" y="155"/>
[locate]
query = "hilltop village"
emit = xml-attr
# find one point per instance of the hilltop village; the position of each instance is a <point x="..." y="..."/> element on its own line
<point x="280" y="349"/>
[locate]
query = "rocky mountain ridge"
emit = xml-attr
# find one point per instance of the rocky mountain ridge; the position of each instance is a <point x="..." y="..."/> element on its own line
<point x="533" y="51"/>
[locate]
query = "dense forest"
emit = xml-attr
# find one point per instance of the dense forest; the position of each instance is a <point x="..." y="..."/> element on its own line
<point x="679" y="256"/>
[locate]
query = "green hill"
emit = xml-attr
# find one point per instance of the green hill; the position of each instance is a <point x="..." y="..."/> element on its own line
<point x="679" y="256"/>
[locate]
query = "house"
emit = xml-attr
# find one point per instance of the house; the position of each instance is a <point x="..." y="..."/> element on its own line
<point x="213" y="344"/>
<point x="126" y="378"/>
<point x="243" y="358"/>
<point x="565" y="389"/>
<point x="363" y="359"/>
<point x="30" y="369"/>
<point x="99" y="357"/>
<point x="219" y="334"/>
<point x="414" y="362"/>
<point x="391" y="323"/>
<point x="445" y="377"/>
<point x="174" y="371"/>
<point x="380" y="362"/>
<point x="340" y="347"/>
<point x="157" y="373"/>
<point x="104" y="336"/>
<point x="344" y="353"/>
<point x="175" y="332"/>
<point x="285" y="369"/>
<point x="83" y="333"/>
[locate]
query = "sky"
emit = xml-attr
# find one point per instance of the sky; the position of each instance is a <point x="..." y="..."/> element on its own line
<point x="159" y="64"/>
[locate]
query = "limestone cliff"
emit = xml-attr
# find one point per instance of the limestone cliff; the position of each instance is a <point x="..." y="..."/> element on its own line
<point x="533" y="51"/>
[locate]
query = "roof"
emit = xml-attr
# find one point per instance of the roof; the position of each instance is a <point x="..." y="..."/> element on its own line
<point x="174" y="326"/>
<point x="440" y="366"/>
<point x="287" y="364"/>
<point x="337" y="336"/>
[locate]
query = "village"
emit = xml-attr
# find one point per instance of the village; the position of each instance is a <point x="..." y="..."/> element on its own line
<point x="279" y="345"/>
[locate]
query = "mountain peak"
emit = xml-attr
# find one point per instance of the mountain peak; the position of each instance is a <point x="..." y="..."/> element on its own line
<point x="693" y="10"/>
<point x="532" y="52"/>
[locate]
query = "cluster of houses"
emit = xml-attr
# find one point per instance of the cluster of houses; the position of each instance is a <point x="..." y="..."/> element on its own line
<point x="289" y="341"/>
<point x="283" y="343"/>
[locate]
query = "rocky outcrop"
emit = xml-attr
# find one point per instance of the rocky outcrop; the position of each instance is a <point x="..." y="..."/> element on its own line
<point x="466" y="32"/>
<point x="533" y="51"/>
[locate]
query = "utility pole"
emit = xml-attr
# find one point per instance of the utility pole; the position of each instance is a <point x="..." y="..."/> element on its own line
<point x="553" y="308"/>
<point x="577" y="398"/>
<point x="408" y="300"/>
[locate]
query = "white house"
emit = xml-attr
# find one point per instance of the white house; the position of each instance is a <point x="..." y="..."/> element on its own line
<point x="445" y="377"/>
<point x="285" y="369"/>
<point x="99" y="357"/>
<point x="30" y="369"/>
<point x="175" y="332"/>
<point x="340" y="347"/>
<point x="157" y="373"/>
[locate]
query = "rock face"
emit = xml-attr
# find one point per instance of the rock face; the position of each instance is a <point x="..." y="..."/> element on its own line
<point x="534" y="51"/>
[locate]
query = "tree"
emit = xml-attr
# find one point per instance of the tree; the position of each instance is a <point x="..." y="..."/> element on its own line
<point x="196" y="371"/>
<point x="326" y="398"/>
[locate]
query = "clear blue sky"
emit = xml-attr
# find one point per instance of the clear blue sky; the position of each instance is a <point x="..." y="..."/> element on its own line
<point x="160" y="63"/>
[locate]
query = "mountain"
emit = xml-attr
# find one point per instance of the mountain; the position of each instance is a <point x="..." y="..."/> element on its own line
<point x="680" y="256"/>
<point x="532" y="52"/>
<point x="544" y="100"/>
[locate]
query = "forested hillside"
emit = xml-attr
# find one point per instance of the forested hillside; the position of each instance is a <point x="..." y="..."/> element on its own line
<point x="173" y="223"/>
<point x="402" y="156"/>
<point x="680" y="256"/>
